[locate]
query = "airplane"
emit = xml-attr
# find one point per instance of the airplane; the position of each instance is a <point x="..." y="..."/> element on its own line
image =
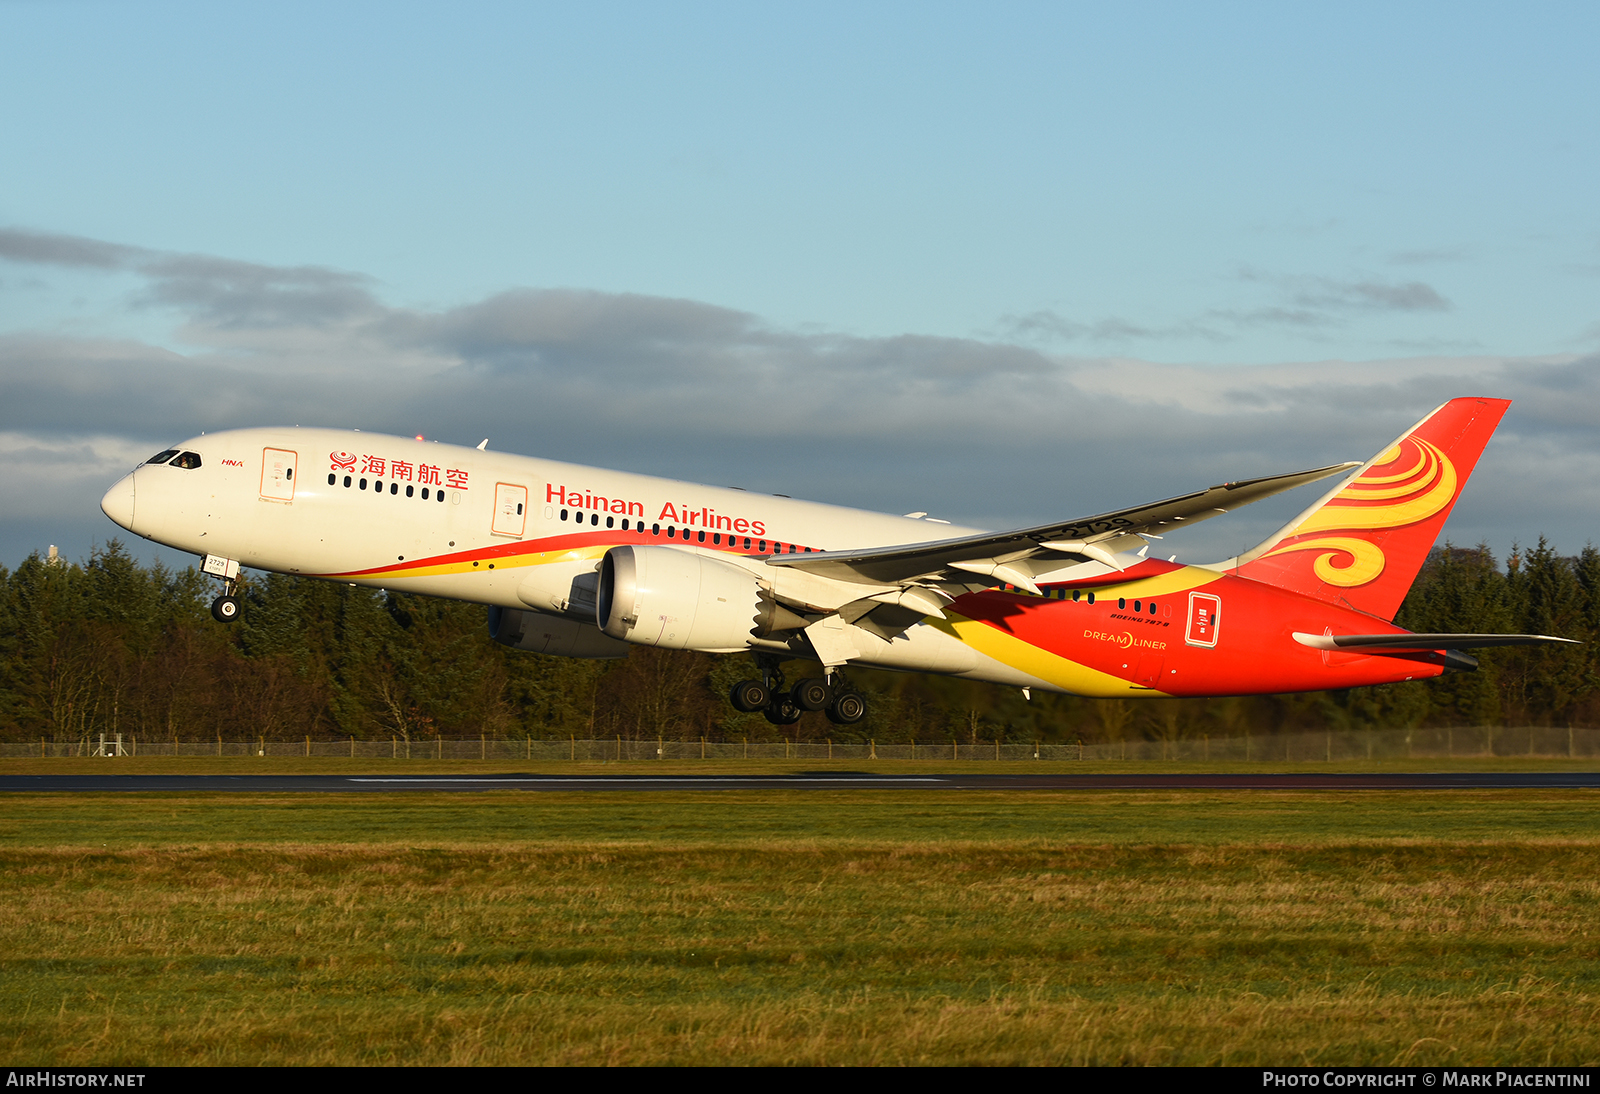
<point x="582" y="562"/>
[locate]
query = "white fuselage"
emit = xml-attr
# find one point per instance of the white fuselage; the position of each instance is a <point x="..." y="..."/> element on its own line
<point x="489" y="527"/>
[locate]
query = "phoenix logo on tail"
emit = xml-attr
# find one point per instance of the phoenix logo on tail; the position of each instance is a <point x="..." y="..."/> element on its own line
<point x="1363" y="543"/>
<point x="1379" y="499"/>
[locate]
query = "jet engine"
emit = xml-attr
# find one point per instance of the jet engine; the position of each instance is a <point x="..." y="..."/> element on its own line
<point x="661" y="596"/>
<point x="550" y="634"/>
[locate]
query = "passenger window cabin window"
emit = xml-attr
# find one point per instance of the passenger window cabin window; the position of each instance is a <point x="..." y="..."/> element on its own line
<point x="332" y="478"/>
<point x="1121" y="603"/>
<point x="563" y="514"/>
<point x="394" y="488"/>
<point x="438" y="495"/>
<point x="1138" y="607"/>
<point x="746" y="543"/>
<point x="655" y="529"/>
<point x="411" y="491"/>
<point x="594" y="518"/>
<point x="424" y="493"/>
<point x="162" y="457"/>
<point x="763" y="548"/>
<point x="611" y="522"/>
<point x="363" y="484"/>
<point x="716" y="538"/>
<point x="347" y="482"/>
<point x="1152" y="607"/>
<point x="701" y="537"/>
<point x="1091" y="598"/>
<point x="671" y="531"/>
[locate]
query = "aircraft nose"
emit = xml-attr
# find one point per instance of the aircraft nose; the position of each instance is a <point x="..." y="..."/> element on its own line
<point x="118" y="502"/>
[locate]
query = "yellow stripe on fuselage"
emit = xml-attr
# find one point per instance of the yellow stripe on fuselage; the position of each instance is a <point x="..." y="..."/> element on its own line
<point x="1062" y="672"/>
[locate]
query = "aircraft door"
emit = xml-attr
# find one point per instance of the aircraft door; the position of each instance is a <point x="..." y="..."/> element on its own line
<point x="277" y="474"/>
<point x="510" y="509"/>
<point x="1204" y="620"/>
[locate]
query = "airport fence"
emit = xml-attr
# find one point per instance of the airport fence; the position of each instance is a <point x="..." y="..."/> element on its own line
<point x="1325" y="746"/>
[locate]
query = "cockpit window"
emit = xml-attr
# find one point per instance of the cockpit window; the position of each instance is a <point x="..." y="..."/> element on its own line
<point x="162" y="457"/>
<point x="188" y="461"/>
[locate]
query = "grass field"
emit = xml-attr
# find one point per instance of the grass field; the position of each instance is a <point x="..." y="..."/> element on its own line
<point x="336" y="765"/>
<point x="801" y="927"/>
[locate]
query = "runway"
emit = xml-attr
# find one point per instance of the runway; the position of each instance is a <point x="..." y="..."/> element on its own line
<point x="818" y="780"/>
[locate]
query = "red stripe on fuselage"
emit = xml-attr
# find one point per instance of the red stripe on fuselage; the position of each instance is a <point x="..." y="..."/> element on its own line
<point x="552" y="544"/>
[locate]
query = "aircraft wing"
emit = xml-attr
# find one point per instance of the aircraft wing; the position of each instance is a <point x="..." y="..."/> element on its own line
<point x="994" y="554"/>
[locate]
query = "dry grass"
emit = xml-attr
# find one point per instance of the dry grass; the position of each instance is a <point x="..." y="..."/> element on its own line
<point x="868" y="928"/>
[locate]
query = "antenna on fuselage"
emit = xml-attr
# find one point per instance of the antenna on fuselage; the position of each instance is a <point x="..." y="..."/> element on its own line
<point x="483" y="444"/>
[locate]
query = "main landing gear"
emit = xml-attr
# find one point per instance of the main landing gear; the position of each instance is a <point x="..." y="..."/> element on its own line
<point x="842" y="704"/>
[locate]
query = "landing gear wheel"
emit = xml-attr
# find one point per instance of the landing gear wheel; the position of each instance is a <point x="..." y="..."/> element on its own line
<point x="814" y="694"/>
<point x="749" y="696"/>
<point x="848" y="708"/>
<point x="225" y="609"/>
<point x="782" y="712"/>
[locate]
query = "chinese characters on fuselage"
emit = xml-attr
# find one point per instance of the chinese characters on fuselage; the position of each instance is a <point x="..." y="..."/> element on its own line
<point x="424" y="474"/>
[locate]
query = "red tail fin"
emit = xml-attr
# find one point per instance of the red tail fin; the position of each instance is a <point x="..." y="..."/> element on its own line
<point x="1364" y="542"/>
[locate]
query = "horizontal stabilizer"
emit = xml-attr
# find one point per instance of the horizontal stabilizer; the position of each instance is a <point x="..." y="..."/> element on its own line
<point x="1421" y="641"/>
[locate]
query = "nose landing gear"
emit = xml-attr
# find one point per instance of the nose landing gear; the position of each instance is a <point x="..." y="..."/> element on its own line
<point x="227" y="607"/>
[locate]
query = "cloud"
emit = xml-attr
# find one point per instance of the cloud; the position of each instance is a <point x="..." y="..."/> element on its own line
<point x="993" y="431"/>
<point x="1047" y="325"/>
<point x="52" y="466"/>
<point x="61" y="250"/>
<point x="227" y="295"/>
<point x="1309" y="306"/>
<point x="1429" y="257"/>
<point x="1325" y="294"/>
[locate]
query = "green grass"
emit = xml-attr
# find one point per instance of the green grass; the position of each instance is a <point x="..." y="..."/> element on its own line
<point x="332" y="765"/>
<point x="802" y="927"/>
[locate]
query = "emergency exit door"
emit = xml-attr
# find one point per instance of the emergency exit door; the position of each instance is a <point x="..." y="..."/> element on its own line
<point x="510" y="509"/>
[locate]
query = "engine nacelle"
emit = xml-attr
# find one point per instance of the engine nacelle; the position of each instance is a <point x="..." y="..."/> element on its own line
<point x="661" y="596"/>
<point x="540" y="633"/>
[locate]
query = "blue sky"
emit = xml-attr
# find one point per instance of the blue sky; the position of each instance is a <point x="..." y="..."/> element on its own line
<point x="1270" y="235"/>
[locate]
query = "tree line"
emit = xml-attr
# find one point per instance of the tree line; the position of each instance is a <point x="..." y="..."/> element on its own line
<point x="111" y="645"/>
